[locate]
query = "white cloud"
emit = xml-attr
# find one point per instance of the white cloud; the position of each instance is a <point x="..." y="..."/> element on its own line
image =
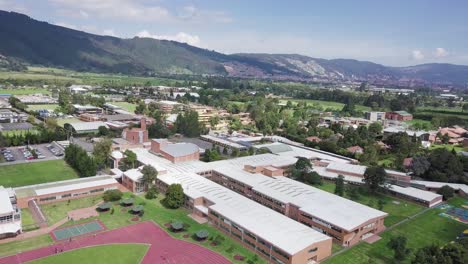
<point x="121" y="9"/>
<point x="417" y="55"/>
<point x="440" y="53"/>
<point x="10" y="5"/>
<point x="193" y="14"/>
<point x="109" y="32"/>
<point x="183" y="37"/>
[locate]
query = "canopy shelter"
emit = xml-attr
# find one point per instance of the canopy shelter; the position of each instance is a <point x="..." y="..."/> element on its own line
<point x="128" y="202"/>
<point x="104" y="206"/>
<point x="202" y="234"/>
<point x="137" y="208"/>
<point x="177" y="226"/>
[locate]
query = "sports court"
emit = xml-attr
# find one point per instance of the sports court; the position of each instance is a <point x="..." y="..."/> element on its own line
<point x="77" y="230"/>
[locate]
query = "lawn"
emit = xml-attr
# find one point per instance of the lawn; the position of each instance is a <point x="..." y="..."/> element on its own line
<point x="55" y="212"/>
<point x="126" y="106"/>
<point x="35" y="172"/>
<point x="19" y="132"/>
<point x="106" y="254"/>
<point x="396" y="208"/>
<point x="26" y="217"/>
<point x="323" y="105"/>
<point x="24" y="245"/>
<point x="420" y="124"/>
<point x="62" y="121"/>
<point x="425" y="229"/>
<point x="35" y="107"/>
<point x="24" y="91"/>
<point x="449" y="147"/>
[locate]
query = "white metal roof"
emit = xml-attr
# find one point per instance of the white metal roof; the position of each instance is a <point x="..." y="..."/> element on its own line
<point x="99" y="181"/>
<point x="134" y="174"/>
<point x="351" y="168"/>
<point x="431" y="184"/>
<point x="5" y="202"/>
<point x="415" y="193"/>
<point x="180" y="149"/>
<point x="277" y="229"/>
<point x="12" y="227"/>
<point x="85" y="126"/>
<point x="222" y="141"/>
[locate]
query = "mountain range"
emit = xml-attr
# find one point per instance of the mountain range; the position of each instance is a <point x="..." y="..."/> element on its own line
<point x="33" y="42"/>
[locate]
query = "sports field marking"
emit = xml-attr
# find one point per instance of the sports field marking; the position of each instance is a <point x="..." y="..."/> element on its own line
<point x="78" y="230"/>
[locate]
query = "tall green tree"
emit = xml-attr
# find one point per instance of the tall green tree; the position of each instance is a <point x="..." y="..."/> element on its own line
<point x="399" y="247"/>
<point x="149" y="176"/>
<point x="174" y="196"/>
<point x="375" y="178"/>
<point x="339" y="185"/>
<point x="101" y="151"/>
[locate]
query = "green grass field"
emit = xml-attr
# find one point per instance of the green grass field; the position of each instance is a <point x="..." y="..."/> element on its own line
<point x="396" y="208"/>
<point x="449" y="147"/>
<point x="126" y="106"/>
<point x="25" y="245"/>
<point x="23" y="91"/>
<point x="423" y="230"/>
<point x="55" y="212"/>
<point x="105" y="254"/>
<point x="26" y="217"/>
<point x="62" y="121"/>
<point x="35" y="173"/>
<point x="419" y="123"/>
<point x="36" y="107"/>
<point x="334" y="106"/>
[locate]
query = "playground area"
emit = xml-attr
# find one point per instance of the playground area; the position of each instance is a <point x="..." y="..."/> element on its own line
<point x="77" y="230"/>
<point x="162" y="247"/>
<point x="457" y="214"/>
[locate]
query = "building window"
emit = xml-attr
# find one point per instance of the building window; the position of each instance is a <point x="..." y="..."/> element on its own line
<point x="313" y="250"/>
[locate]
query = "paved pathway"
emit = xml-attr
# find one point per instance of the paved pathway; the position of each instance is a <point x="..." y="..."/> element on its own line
<point x="163" y="248"/>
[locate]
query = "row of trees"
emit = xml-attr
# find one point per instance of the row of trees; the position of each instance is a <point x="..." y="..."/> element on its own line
<point x="79" y="160"/>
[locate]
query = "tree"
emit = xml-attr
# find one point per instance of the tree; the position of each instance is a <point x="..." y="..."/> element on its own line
<point x="152" y="193"/>
<point x="174" y="196"/>
<point x="374" y="178"/>
<point x="140" y="108"/>
<point x="101" y="151"/>
<point x="465" y="108"/>
<point x="398" y="245"/>
<point x="303" y="164"/>
<point x="112" y="195"/>
<point x="103" y="131"/>
<point x="149" y="176"/>
<point x="455" y="253"/>
<point x="446" y="191"/>
<point x="420" y="165"/>
<point x="339" y="185"/>
<point x="130" y="158"/>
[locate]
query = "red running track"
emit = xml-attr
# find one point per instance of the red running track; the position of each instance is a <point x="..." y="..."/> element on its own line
<point x="163" y="248"/>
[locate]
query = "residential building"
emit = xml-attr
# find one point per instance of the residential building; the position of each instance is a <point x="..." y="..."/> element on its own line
<point x="9" y="116"/>
<point x="375" y="116"/>
<point x="355" y="150"/>
<point x="169" y="106"/>
<point x="399" y="116"/>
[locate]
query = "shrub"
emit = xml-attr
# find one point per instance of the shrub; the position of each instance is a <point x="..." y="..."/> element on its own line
<point x="152" y="193"/>
<point x="446" y="191"/>
<point x="174" y="196"/>
<point x="112" y="195"/>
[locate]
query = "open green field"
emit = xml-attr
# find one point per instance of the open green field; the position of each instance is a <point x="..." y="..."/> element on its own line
<point x="14" y="247"/>
<point x="423" y="230"/>
<point x="26" y="217"/>
<point x="334" y="106"/>
<point x="63" y="77"/>
<point x="23" y="91"/>
<point x="62" y="121"/>
<point x="396" y="208"/>
<point x="35" y="173"/>
<point x="419" y="124"/>
<point x="448" y="147"/>
<point x="36" y="107"/>
<point x="105" y="254"/>
<point x="126" y="106"/>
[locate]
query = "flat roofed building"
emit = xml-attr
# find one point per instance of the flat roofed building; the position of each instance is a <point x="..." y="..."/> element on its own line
<point x="10" y="214"/>
<point x="272" y="235"/>
<point x="85" y="127"/>
<point x="87" y="109"/>
<point x="65" y="190"/>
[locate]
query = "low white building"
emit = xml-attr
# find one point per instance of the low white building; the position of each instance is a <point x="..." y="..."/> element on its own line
<point x="10" y="214"/>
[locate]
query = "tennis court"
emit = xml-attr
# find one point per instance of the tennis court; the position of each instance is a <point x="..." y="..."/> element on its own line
<point x="77" y="230"/>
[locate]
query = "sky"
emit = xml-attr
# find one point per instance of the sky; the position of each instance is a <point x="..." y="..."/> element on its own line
<point x="390" y="32"/>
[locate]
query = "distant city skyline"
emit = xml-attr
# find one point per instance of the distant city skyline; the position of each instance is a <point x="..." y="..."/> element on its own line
<point x="395" y="33"/>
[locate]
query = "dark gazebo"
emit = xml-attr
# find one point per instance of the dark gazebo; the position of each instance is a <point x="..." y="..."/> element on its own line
<point x="137" y="209"/>
<point x="202" y="234"/>
<point x="127" y="202"/>
<point x="177" y="226"/>
<point x="104" y="207"/>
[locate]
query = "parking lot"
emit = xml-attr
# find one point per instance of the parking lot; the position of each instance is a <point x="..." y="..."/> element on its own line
<point x="22" y="154"/>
